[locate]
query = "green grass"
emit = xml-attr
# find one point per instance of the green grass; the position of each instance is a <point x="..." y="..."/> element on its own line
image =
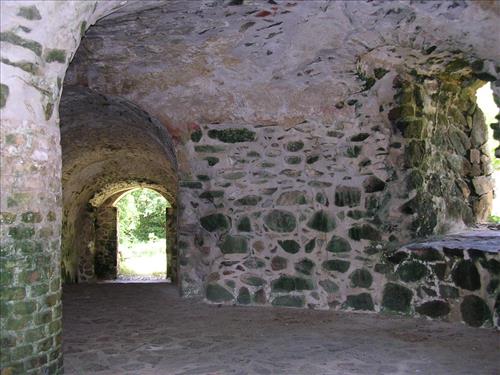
<point x="143" y="259"/>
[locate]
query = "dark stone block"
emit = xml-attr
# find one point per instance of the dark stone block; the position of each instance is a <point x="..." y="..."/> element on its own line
<point x="466" y="276"/>
<point x="411" y="271"/>
<point x="364" y="232"/>
<point x="232" y="135"/>
<point x="295" y="146"/>
<point x="304" y="266"/>
<point x="347" y="196"/>
<point x="440" y="270"/>
<point x="338" y="245"/>
<point x="289" y="301"/>
<point x="290" y="246"/>
<point x="217" y="293"/>
<point x="291" y="283"/>
<point x="373" y="184"/>
<point x="248" y="200"/>
<point x="361" y="278"/>
<point x="310" y="246"/>
<point x="476" y="254"/>
<point x="397" y="257"/>
<point x="244" y="225"/>
<point x="427" y="255"/>
<point x="215" y="222"/>
<point x="259" y="297"/>
<point x="244" y="296"/>
<point x="321" y="221"/>
<point x="492" y="286"/>
<point x="361" y="301"/>
<point x="280" y="221"/>
<point x="433" y="309"/>
<point x="336" y="265"/>
<point x="396" y="298"/>
<point x="475" y="312"/>
<point x="453" y="253"/>
<point x="234" y="245"/>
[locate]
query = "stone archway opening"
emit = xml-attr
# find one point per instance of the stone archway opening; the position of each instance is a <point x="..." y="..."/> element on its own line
<point x="142" y="238"/>
<point x="486" y="102"/>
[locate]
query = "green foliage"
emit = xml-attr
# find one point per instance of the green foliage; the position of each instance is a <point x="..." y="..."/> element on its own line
<point x="141" y="216"/>
<point x="495" y="219"/>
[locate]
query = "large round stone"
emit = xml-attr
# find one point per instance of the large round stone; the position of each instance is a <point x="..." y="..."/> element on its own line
<point x="280" y="221"/>
<point x="289" y="301"/>
<point x="411" y="271"/>
<point x="217" y="293"/>
<point x="475" y="312"/>
<point x="215" y="222"/>
<point x="433" y="309"/>
<point x="234" y="245"/>
<point x="361" y="278"/>
<point x="361" y="301"/>
<point x="396" y="298"/>
<point x="321" y="221"/>
<point x="338" y="245"/>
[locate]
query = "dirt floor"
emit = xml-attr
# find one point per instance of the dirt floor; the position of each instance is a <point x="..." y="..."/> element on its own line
<point x="143" y="328"/>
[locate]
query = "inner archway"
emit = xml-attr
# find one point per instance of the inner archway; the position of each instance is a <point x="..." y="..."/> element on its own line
<point x="143" y="251"/>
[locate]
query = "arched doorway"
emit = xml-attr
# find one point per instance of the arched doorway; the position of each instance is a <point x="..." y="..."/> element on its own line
<point x="142" y="238"/>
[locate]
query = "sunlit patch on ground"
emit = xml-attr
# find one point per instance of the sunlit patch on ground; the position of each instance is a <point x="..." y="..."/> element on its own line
<point x="142" y="261"/>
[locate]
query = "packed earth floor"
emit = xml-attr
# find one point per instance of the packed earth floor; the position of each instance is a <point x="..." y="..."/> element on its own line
<point x="141" y="328"/>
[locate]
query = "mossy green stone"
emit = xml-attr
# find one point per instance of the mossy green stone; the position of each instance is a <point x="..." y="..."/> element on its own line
<point x="30" y="13"/>
<point x="289" y="301"/>
<point x="304" y="266"/>
<point x="322" y="221"/>
<point x="433" y="309"/>
<point x="211" y="160"/>
<point x="336" y="265"/>
<point x="466" y="276"/>
<point x="291" y="283"/>
<point x="290" y="246"/>
<point x="55" y="55"/>
<point x="196" y="135"/>
<point x="293" y="160"/>
<point x="212" y="194"/>
<point x="215" y="222"/>
<point x="396" y="298"/>
<point x="13" y="38"/>
<point x="310" y="246"/>
<point x="244" y="225"/>
<point x="364" y="232"/>
<point x="329" y="286"/>
<point x="475" y="312"/>
<point x="295" y="146"/>
<point x="362" y="301"/>
<point x="248" y="200"/>
<point x="252" y="280"/>
<point x="217" y="293"/>
<point x="232" y="135"/>
<point x="244" y="296"/>
<point x="338" y="245"/>
<point x="411" y="271"/>
<point x="21" y="232"/>
<point x="4" y="94"/>
<point x="280" y="221"/>
<point x="234" y="245"/>
<point x="191" y="184"/>
<point x="361" y="278"/>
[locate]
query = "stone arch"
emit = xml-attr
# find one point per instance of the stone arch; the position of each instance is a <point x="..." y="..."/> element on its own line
<point x="109" y="146"/>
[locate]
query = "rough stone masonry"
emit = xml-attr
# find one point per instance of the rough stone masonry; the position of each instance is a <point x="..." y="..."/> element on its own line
<point x="304" y="146"/>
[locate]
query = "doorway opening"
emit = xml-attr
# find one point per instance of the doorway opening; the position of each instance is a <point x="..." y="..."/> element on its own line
<point x="486" y="103"/>
<point x="142" y="236"/>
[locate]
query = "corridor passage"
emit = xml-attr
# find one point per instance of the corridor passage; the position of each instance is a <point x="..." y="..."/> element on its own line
<point x="117" y="328"/>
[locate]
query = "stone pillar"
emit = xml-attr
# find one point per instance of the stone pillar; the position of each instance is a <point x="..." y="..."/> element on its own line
<point x="106" y="244"/>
